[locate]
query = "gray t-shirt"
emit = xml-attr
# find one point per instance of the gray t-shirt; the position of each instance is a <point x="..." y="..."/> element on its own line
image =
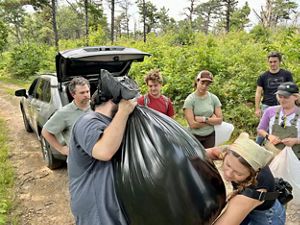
<point x="62" y="121"/>
<point x="91" y="181"/>
<point x="202" y="106"/>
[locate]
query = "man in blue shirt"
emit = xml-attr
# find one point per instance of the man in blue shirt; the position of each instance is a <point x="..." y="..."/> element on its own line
<point x="95" y="138"/>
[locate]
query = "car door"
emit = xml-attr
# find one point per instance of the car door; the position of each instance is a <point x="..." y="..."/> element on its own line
<point x="27" y="106"/>
<point x="40" y="105"/>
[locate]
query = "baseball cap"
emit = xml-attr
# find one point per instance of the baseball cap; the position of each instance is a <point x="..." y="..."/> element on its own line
<point x="287" y="89"/>
<point x="256" y="155"/>
<point x="205" y="75"/>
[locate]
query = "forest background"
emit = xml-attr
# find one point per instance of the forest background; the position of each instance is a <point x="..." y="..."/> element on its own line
<point x="215" y="35"/>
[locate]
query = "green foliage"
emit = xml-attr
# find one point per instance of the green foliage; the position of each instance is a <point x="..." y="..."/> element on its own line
<point x="9" y="80"/>
<point x="6" y="176"/>
<point x="184" y="35"/>
<point x="260" y="34"/>
<point x="3" y="35"/>
<point x="240" y="18"/>
<point x="70" y="44"/>
<point x="98" y="37"/>
<point x="149" y="11"/>
<point x="26" y="60"/>
<point x="236" y="60"/>
<point x="70" y="23"/>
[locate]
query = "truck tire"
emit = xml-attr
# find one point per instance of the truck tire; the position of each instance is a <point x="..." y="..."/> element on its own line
<point x="50" y="161"/>
<point x="26" y="123"/>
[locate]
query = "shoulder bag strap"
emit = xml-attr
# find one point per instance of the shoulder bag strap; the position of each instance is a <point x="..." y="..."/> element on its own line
<point x="146" y="100"/>
<point x="277" y="115"/>
<point x="260" y="195"/>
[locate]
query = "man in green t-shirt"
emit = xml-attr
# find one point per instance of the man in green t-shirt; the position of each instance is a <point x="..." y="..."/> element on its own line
<point x="63" y="119"/>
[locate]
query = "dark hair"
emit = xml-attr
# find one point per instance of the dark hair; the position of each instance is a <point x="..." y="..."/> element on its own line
<point x="77" y="81"/>
<point x="154" y="75"/>
<point x="275" y="55"/>
<point x="204" y="73"/>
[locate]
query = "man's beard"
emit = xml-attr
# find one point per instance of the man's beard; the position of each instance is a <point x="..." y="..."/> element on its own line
<point x="85" y="101"/>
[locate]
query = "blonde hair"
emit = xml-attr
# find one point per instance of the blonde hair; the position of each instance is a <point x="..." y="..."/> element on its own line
<point x="297" y="101"/>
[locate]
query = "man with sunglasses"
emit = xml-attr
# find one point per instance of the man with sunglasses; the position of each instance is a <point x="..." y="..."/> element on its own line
<point x="280" y="125"/>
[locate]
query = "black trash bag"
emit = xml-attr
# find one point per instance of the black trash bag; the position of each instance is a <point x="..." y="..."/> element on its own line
<point x="163" y="176"/>
<point x="117" y="88"/>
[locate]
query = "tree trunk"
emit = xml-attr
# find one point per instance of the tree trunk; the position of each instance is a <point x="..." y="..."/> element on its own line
<point x="144" y="20"/>
<point x="112" y="21"/>
<point x="54" y="25"/>
<point x="228" y="10"/>
<point x="86" y="22"/>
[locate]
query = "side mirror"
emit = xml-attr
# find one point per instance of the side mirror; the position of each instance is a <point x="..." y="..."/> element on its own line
<point x="21" y="92"/>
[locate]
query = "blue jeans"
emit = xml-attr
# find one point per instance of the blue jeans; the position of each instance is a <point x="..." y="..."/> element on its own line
<point x="273" y="216"/>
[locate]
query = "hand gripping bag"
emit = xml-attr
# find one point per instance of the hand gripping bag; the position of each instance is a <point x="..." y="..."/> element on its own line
<point x="163" y="176"/>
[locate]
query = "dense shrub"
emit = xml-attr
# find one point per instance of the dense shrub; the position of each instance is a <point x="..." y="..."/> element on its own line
<point x="26" y="60"/>
<point x="236" y="59"/>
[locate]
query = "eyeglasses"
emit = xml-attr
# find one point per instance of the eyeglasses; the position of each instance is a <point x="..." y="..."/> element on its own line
<point x="283" y="122"/>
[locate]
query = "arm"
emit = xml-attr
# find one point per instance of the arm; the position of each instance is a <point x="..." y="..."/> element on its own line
<point x="258" y="95"/>
<point x="290" y="141"/>
<point x="190" y="117"/>
<point x="215" y="153"/>
<point x="236" y="210"/>
<point x="272" y="138"/>
<point x="264" y="124"/>
<point x="52" y="140"/>
<point x="216" y="118"/>
<point x="111" y="139"/>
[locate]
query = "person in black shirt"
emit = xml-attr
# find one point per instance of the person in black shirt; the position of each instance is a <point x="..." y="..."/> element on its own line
<point x="268" y="82"/>
<point x="253" y="201"/>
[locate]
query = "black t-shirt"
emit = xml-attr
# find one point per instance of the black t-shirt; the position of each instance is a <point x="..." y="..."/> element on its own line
<point x="270" y="82"/>
<point x="265" y="180"/>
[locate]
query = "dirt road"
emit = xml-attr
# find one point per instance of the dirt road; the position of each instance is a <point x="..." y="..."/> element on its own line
<point x="41" y="195"/>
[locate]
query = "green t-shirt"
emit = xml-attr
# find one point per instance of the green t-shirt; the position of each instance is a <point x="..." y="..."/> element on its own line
<point x="202" y="106"/>
<point x="61" y="123"/>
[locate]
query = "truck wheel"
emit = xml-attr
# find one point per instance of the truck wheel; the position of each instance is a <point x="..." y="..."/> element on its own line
<point x="51" y="162"/>
<point x="26" y="123"/>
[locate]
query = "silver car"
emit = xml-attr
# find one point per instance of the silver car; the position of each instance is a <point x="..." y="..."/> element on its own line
<point x="48" y="92"/>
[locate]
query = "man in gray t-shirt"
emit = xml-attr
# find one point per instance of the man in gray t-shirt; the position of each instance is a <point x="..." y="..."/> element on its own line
<point x="63" y="119"/>
<point x="95" y="138"/>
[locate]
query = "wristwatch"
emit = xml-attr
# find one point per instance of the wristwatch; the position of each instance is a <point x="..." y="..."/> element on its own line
<point x="267" y="136"/>
<point x="206" y="119"/>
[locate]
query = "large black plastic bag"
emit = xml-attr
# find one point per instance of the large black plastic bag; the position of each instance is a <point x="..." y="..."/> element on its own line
<point x="163" y="176"/>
